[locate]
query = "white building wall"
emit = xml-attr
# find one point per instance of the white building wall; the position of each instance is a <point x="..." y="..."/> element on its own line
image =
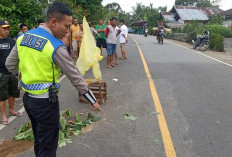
<point x="228" y="23"/>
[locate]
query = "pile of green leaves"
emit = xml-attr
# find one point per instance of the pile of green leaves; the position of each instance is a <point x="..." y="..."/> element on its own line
<point x="25" y="133"/>
<point x="71" y="124"/>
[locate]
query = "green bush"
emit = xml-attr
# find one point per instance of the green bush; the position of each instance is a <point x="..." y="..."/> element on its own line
<point x="216" y="42"/>
<point x="177" y="30"/>
<point x="219" y="29"/>
<point x="195" y="28"/>
<point x="192" y="30"/>
<point x="151" y="31"/>
<point x="191" y="36"/>
<point x="212" y="38"/>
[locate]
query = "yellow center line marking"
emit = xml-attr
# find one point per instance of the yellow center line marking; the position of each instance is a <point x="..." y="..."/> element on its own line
<point x="167" y="140"/>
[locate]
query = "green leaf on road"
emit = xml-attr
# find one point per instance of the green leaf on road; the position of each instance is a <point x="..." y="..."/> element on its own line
<point x="71" y="125"/>
<point x="61" y="141"/>
<point x="153" y="112"/>
<point x="68" y="113"/>
<point x="78" y="126"/>
<point x="92" y="118"/>
<point x="78" y="117"/>
<point x="96" y="119"/>
<point x="130" y="117"/>
<point x="77" y="132"/>
<point x="156" y="140"/>
<point x="62" y="122"/>
<point x="68" y="140"/>
<point x="90" y="115"/>
<point x="87" y="122"/>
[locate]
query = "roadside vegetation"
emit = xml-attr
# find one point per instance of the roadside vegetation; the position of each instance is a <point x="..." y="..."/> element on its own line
<point x="217" y="32"/>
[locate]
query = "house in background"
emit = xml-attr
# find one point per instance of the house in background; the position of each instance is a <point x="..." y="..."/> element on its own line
<point x="228" y="18"/>
<point x="181" y="15"/>
<point x="170" y="21"/>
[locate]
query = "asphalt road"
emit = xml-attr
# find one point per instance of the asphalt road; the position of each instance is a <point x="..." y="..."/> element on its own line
<point x="194" y="93"/>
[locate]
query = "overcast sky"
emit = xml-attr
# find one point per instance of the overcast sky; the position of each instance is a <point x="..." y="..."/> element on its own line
<point x="128" y="4"/>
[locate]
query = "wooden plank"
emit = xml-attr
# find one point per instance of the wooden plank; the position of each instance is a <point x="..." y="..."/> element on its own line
<point x="99" y="90"/>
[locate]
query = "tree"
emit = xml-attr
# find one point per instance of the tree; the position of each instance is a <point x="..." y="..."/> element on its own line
<point x="138" y="12"/>
<point x="185" y="2"/>
<point x="115" y="10"/>
<point x="147" y="13"/>
<point x="92" y="9"/>
<point x="114" y="7"/>
<point x="208" y="3"/>
<point x="128" y="18"/>
<point x="20" y="11"/>
<point x="198" y="3"/>
<point x="216" y="19"/>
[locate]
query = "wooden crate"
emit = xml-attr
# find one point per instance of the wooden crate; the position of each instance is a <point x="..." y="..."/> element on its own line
<point x="99" y="91"/>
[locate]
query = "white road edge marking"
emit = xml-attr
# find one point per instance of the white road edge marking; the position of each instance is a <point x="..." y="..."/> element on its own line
<point x="201" y="53"/>
<point x="11" y="118"/>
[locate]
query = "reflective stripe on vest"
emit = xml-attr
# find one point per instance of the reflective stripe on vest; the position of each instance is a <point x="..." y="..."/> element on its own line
<point x="39" y="86"/>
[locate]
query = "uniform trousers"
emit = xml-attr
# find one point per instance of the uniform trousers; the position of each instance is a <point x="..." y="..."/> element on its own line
<point x="44" y="118"/>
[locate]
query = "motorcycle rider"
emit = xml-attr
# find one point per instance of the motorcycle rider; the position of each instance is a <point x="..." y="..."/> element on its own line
<point x="204" y="36"/>
<point x="160" y="27"/>
<point x="145" y="26"/>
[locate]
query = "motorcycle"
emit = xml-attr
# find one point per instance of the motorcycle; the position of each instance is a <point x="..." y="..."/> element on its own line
<point x="145" y="32"/>
<point x="161" y="36"/>
<point x="202" y="41"/>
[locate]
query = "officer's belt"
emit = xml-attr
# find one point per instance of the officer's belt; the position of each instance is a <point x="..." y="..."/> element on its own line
<point x="45" y="95"/>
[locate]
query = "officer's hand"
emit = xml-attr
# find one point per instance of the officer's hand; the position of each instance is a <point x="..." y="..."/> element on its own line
<point x="96" y="107"/>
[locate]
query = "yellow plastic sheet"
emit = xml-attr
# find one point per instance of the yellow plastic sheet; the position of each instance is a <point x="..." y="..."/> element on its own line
<point x="90" y="54"/>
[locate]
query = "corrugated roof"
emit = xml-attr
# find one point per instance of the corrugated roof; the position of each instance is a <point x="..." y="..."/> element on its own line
<point x="169" y="17"/>
<point x="190" y="13"/>
<point x="211" y="11"/>
<point x="227" y="12"/>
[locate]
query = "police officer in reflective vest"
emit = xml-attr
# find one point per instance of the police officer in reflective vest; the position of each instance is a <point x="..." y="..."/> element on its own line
<point x="40" y="56"/>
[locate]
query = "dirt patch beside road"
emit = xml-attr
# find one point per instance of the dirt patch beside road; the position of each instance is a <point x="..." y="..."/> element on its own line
<point x="10" y="148"/>
<point x="222" y="56"/>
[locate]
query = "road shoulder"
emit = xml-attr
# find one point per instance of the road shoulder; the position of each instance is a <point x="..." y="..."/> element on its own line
<point x="222" y="56"/>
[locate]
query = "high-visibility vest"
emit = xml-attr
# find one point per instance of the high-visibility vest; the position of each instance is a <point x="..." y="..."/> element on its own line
<point x="36" y="49"/>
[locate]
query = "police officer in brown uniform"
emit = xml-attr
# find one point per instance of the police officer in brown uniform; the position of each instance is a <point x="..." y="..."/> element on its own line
<point x="43" y="109"/>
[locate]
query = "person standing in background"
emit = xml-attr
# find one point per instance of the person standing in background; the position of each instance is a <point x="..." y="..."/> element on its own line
<point x="111" y="40"/>
<point x="79" y="37"/>
<point x="23" y="29"/>
<point x="93" y="31"/>
<point x="117" y="31"/>
<point x="123" y="38"/>
<point x="8" y="82"/>
<point x="40" y="22"/>
<point x="67" y="40"/>
<point x="74" y="47"/>
<point x="101" y="39"/>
